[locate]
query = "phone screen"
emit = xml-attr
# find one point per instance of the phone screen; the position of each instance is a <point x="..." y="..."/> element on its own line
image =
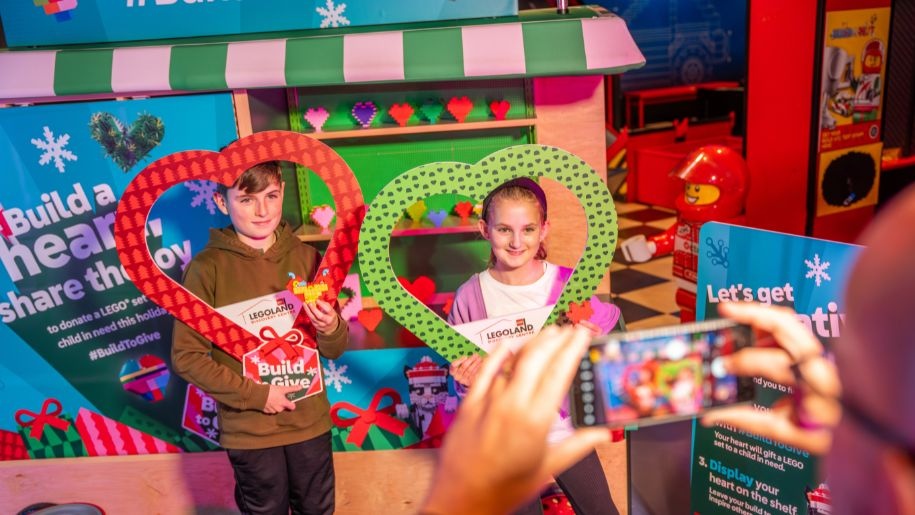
<point x="655" y="375"/>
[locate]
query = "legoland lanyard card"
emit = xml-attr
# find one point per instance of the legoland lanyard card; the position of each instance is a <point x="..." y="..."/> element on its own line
<point x="282" y="359"/>
<point x="275" y="310"/>
<point x="514" y="329"/>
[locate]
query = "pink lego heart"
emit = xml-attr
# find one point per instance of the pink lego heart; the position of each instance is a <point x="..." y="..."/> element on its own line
<point x="316" y="116"/>
<point x="322" y="215"/>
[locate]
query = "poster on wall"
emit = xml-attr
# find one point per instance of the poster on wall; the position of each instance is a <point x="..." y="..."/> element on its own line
<point x="85" y="367"/>
<point x="856" y="37"/>
<point x="735" y="471"/>
<point x="684" y="42"/>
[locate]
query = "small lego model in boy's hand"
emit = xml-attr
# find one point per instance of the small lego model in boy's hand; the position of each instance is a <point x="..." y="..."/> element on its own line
<point x="280" y="451"/>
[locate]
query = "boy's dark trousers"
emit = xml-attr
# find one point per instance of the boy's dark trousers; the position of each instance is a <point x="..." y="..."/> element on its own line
<point x="298" y="476"/>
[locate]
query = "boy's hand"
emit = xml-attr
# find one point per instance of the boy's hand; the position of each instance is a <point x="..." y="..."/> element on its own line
<point x="322" y="316"/>
<point x="277" y="400"/>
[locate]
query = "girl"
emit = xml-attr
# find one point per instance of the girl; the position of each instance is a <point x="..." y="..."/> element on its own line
<point x="519" y="278"/>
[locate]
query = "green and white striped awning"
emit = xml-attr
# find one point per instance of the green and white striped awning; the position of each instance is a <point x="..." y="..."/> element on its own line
<point x="587" y="41"/>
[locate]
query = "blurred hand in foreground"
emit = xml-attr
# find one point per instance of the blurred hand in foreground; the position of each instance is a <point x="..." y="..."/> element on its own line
<point x="496" y="456"/>
<point x="786" y="353"/>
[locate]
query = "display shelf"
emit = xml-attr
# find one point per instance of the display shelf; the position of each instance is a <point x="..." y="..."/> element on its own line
<point x="451" y="225"/>
<point x="423" y="129"/>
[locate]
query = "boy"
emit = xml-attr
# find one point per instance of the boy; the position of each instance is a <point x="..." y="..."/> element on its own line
<point x="280" y="451"/>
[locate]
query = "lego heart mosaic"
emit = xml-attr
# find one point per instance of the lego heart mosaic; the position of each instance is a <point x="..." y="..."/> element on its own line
<point x="126" y="144"/>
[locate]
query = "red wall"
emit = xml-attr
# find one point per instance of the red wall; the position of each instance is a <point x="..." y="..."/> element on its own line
<point x="779" y="93"/>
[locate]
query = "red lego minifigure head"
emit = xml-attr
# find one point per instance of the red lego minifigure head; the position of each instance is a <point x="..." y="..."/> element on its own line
<point x="872" y="57"/>
<point x="717" y="180"/>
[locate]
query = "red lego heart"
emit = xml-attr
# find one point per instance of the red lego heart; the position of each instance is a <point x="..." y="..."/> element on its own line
<point x="459" y="108"/>
<point x="370" y="318"/>
<point x="224" y="167"/>
<point x="463" y="210"/>
<point x="499" y="108"/>
<point x="578" y="312"/>
<point x="401" y="113"/>
<point x="422" y="288"/>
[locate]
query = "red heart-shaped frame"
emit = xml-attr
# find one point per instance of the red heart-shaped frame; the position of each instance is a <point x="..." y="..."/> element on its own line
<point x="225" y="167"/>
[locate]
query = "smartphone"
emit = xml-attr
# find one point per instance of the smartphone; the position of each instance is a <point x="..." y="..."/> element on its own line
<point x="659" y="375"/>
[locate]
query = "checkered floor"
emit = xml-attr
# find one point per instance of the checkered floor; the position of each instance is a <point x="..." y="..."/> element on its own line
<point x="644" y="291"/>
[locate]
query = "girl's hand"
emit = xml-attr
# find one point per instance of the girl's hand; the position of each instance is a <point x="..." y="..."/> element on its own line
<point x="590" y="326"/>
<point x="322" y="316"/>
<point x="464" y="370"/>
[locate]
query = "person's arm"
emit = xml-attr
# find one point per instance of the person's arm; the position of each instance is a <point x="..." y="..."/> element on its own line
<point x="496" y="455"/>
<point x="192" y="354"/>
<point x="807" y="420"/>
<point x="460" y="312"/>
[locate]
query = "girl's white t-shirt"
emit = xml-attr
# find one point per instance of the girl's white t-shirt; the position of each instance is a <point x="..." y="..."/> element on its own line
<point x="504" y="299"/>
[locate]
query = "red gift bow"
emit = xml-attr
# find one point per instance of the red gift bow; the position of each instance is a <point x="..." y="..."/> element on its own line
<point x="365" y="418"/>
<point x="39" y="420"/>
<point x="276" y="342"/>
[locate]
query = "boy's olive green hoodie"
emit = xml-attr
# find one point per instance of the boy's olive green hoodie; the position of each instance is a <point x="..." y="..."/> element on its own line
<point x="227" y="271"/>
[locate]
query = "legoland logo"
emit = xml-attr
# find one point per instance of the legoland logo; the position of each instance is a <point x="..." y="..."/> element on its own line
<point x="505" y="329"/>
<point x="264" y="310"/>
<point x="60" y="9"/>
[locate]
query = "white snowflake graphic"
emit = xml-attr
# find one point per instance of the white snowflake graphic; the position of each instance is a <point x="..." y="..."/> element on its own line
<point x="336" y="377"/>
<point x="817" y="270"/>
<point x="54" y="149"/>
<point x="332" y="16"/>
<point x="255" y="359"/>
<point x="203" y="194"/>
<point x="313" y="371"/>
<point x="212" y="434"/>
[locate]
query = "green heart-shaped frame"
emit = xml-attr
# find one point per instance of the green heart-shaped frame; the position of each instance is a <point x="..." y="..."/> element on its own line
<point x="476" y="181"/>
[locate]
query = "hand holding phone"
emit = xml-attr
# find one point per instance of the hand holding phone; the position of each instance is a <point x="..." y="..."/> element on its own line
<point x="658" y="375"/>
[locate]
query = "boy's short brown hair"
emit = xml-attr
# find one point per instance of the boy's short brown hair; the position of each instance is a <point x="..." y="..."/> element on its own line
<point x="255" y="179"/>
